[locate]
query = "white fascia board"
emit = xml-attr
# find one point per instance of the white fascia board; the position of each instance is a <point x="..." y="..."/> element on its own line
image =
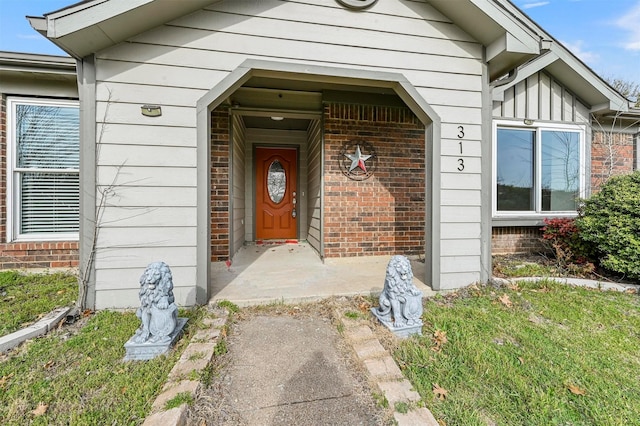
<point x="616" y="102"/>
<point x="70" y="20"/>
<point x="528" y="40"/>
<point x="38" y="23"/>
<point x="507" y="43"/>
<point x="54" y="63"/>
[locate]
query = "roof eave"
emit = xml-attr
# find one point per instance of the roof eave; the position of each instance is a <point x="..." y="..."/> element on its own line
<point x="52" y="64"/>
<point x="90" y="26"/>
<point x="509" y="42"/>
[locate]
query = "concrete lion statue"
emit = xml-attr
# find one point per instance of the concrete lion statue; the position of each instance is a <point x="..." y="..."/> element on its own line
<point x="157" y="311"/>
<point x="400" y="300"/>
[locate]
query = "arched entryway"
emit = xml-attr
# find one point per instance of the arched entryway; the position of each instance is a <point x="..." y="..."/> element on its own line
<point x="294" y="107"/>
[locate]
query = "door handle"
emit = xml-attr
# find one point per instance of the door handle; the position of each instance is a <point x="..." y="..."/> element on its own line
<point x="294" y="201"/>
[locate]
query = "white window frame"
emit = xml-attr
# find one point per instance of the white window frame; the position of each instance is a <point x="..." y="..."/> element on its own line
<point x="13" y="194"/>
<point x="537" y="127"/>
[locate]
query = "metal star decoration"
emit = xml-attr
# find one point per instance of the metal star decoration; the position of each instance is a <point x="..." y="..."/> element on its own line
<point x="358" y="159"/>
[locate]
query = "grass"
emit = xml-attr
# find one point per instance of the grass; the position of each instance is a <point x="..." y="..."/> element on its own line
<point x="24" y="298"/>
<point x="230" y="306"/>
<point x="535" y="354"/>
<point x="178" y="400"/>
<point x="81" y="379"/>
<point x="514" y="267"/>
<point x="352" y="314"/>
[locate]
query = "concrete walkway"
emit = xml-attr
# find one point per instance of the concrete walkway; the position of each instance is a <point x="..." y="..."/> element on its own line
<point x="292" y="273"/>
<point x="295" y="365"/>
<point x="288" y="371"/>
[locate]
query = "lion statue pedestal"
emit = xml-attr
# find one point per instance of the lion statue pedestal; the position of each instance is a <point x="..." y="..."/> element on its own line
<point x="400" y="301"/>
<point x="158" y="313"/>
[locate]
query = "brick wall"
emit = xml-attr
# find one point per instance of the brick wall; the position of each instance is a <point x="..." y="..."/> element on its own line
<point x="384" y="214"/>
<point x="516" y="240"/>
<point x="3" y="169"/>
<point x="220" y="184"/>
<point x="611" y="154"/>
<point x="54" y="254"/>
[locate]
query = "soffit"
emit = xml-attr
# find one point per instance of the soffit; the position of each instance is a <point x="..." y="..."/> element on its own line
<point x="298" y="102"/>
<point x="573" y="75"/>
<point x="508" y="39"/>
<point x="88" y="27"/>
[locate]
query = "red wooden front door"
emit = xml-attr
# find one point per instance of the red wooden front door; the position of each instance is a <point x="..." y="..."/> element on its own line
<point x="276" y="209"/>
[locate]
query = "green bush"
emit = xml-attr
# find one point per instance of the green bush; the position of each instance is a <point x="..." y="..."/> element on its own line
<point x="610" y="220"/>
<point x="562" y="237"/>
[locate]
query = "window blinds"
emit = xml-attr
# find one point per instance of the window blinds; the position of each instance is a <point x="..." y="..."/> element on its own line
<point x="47" y="161"/>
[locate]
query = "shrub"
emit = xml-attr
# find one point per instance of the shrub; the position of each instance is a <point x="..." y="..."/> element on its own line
<point x="562" y="237"/>
<point x="610" y="220"/>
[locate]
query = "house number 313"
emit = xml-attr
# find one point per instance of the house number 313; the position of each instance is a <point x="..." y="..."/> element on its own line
<point x="460" y="160"/>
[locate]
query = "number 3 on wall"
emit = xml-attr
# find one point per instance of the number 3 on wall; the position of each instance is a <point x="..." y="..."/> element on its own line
<point x="460" y="160"/>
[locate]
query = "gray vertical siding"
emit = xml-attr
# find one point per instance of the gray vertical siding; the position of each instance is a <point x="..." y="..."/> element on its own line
<point x="541" y="97"/>
<point x="238" y="184"/>
<point x="314" y="188"/>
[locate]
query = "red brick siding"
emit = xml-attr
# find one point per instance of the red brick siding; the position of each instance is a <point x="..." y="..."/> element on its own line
<point x="611" y="154"/>
<point x="220" y="184"/>
<point x="3" y="169"/>
<point x="515" y="240"/>
<point x="384" y="214"/>
<point x="53" y="254"/>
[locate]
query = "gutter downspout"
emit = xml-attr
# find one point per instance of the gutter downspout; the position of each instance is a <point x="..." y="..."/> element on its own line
<point x="506" y="80"/>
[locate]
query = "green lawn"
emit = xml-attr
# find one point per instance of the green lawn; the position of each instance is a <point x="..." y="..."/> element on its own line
<point x="534" y="354"/>
<point x="79" y="378"/>
<point x="24" y="298"/>
<point x="75" y="374"/>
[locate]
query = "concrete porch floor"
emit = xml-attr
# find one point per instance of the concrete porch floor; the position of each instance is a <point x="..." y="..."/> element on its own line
<point x="292" y="273"/>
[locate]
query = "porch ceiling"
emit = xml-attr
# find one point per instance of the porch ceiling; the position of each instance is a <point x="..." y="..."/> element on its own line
<point x="262" y="98"/>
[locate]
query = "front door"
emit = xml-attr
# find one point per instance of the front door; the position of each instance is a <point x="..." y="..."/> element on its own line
<point x="276" y="194"/>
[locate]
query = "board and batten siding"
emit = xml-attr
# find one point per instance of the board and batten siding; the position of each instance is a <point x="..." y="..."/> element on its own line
<point x="238" y="169"/>
<point x="314" y="187"/>
<point x="541" y="97"/>
<point x="175" y="64"/>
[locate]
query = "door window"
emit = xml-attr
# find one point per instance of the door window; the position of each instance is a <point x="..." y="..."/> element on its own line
<point x="276" y="182"/>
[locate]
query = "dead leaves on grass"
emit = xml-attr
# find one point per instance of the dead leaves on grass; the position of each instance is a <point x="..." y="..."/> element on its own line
<point x="440" y="392"/>
<point x="40" y="410"/>
<point x="576" y="390"/>
<point x="504" y="299"/>
<point x="439" y="339"/>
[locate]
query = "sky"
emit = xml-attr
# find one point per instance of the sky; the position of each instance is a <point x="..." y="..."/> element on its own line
<point x="605" y="34"/>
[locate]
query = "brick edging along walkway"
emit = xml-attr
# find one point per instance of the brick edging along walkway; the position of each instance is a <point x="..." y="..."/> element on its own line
<point x="383" y="370"/>
<point x="379" y="364"/>
<point x="184" y="375"/>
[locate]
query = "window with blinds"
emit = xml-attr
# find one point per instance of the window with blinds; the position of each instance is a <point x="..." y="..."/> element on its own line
<point x="45" y="175"/>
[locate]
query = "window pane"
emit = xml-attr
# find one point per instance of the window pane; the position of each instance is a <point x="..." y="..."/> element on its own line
<point x="515" y="158"/>
<point x="47" y="136"/>
<point x="560" y="170"/>
<point x="276" y="182"/>
<point x="49" y="202"/>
